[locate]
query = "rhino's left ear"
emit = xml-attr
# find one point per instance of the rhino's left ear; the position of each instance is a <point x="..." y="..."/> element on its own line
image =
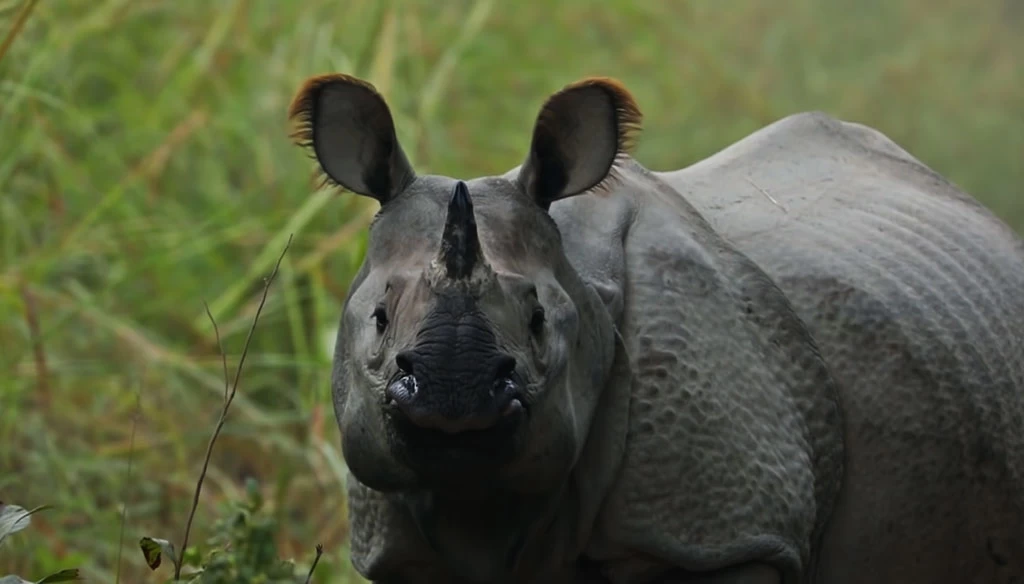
<point x="580" y="133"/>
<point x="349" y="128"/>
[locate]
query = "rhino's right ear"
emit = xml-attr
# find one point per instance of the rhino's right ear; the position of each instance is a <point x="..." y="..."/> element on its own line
<point x="349" y="129"/>
<point x="580" y="134"/>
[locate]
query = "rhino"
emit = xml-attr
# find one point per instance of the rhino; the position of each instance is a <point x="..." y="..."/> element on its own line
<point x="799" y="360"/>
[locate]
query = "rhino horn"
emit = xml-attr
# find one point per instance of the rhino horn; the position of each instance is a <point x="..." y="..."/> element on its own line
<point x="460" y="250"/>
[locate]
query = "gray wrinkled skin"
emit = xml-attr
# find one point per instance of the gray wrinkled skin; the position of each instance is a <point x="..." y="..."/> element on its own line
<point x="915" y="294"/>
<point x="799" y="360"/>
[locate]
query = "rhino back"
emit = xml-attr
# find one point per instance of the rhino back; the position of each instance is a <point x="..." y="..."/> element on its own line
<point x="913" y="292"/>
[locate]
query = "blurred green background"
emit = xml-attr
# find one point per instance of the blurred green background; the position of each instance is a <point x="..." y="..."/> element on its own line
<point x="145" y="168"/>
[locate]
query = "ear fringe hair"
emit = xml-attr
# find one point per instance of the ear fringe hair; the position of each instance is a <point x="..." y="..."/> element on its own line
<point x="302" y="118"/>
<point x="628" y="126"/>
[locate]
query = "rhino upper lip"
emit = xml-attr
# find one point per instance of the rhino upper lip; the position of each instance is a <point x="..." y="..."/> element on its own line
<point x="490" y="443"/>
<point x="512" y="386"/>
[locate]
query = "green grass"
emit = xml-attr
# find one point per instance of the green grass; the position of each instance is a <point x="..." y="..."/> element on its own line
<point x="145" y="168"/>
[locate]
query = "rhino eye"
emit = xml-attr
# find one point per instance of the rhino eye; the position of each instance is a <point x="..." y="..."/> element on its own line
<point x="537" y="321"/>
<point x="380" y="314"/>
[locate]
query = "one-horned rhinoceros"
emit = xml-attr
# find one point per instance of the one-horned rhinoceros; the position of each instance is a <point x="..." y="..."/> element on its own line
<point x="799" y="360"/>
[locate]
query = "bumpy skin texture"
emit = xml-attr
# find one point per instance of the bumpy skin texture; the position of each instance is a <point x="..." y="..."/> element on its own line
<point x="915" y="294"/>
<point x="734" y="449"/>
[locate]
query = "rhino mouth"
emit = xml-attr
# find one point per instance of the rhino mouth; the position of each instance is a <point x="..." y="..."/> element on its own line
<point x="488" y="435"/>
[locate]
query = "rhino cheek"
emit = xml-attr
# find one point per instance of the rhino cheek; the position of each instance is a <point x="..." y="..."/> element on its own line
<point x="550" y="451"/>
<point x="560" y="429"/>
<point x="365" y="445"/>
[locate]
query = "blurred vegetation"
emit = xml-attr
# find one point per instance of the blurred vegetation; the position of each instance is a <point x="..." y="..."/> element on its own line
<point x="145" y="168"/>
<point x="242" y="549"/>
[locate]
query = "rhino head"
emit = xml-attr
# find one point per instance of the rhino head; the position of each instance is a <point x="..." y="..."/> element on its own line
<point x="469" y="350"/>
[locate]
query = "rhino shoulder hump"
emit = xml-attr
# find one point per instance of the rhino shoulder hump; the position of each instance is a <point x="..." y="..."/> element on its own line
<point x="733" y="449"/>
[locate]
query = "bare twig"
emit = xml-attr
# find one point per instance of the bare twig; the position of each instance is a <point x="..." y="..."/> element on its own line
<point x="220" y="347"/>
<point x="128" y="480"/>
<point x="229" y="397"/>
<point x="316" y="560"/>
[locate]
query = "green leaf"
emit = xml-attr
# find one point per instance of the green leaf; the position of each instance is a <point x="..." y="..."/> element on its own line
<point x="13" y="519"/>
<point x="68" y="575"/>
<point x="153" y="549"/>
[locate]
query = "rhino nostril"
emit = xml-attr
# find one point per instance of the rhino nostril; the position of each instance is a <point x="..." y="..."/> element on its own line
<point x="402" y="391"/>
<point x="404" y="360"/>
<point x="505" y="367"/>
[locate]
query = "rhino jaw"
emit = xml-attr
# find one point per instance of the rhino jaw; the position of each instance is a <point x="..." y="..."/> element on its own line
<point x="444" y="450"/>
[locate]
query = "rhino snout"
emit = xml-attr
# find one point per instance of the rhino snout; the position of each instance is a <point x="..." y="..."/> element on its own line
<point x="456" y="403"/>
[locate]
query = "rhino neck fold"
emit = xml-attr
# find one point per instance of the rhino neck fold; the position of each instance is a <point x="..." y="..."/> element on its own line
<point x="498" y="538"/>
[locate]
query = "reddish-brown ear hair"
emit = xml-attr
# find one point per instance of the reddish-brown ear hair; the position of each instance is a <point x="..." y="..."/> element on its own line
<point x="581" y="133"/>
<point x="347" y="126"/>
